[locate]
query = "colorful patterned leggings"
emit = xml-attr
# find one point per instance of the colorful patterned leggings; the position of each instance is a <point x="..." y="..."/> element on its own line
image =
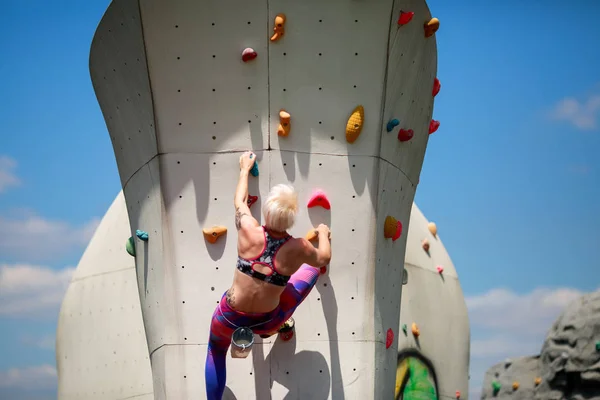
<point x="221" y="328"/>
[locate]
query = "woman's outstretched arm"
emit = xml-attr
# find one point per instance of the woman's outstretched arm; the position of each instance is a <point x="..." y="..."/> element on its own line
<point x="240" y="200"/>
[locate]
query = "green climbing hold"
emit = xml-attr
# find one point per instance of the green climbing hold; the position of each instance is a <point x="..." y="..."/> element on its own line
<point x="130" y="246"/>
<point x="598" y="345"/>
<point x="420" y="384"/>
<point x="405" y="329"/>
<point x="496" y="387"/>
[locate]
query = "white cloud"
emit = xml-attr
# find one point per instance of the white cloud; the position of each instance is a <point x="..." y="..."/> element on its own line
<point x="7" y="176"/>
<point x="33" y="238"/>
<point x="39" y="377"/>
<point x="582" y="114"/>
<point x="32" y="291"/>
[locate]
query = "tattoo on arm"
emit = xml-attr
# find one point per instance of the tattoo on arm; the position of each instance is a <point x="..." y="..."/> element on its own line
<point x="238" y="218"/>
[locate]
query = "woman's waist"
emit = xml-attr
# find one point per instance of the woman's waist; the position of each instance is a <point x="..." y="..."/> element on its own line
<point x="252" y="301"/>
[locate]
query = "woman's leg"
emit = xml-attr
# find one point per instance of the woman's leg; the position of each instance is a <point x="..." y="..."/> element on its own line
<point x="298" y="287"/>
<point x="218" y="343"/>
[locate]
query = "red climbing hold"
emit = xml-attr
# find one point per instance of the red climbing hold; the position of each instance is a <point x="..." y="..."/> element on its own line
<point x="398" y="231"/>
<point x="389" y="339"/>
<point x="405" y="17"/>
<point x="405" y="135"/>
<point x="458" y="394"/>
<point x="436" y="87"/>
<point x="440" y="269"/>
<point x="433" y="126"/>
<point x="252" y="200"/>
<point x="248" y="54"/>
<point x="319" y="199"/>
<point x="323" y="270"/>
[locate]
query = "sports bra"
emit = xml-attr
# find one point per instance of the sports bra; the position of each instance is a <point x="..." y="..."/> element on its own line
<point x="266" y="258"/>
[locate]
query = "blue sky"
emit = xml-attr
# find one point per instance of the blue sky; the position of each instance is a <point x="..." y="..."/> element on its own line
<point x="512" y="176"/>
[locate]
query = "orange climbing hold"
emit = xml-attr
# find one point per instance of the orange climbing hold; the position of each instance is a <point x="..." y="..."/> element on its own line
<point x="432" y="228"/>
<point x="515" y="385"/>
<point x="355" y="124"/>
<point x="390" y="227"/>
<point x="312" y="235"/>
<point x="213" y="234"/>
<point x="251" y="200"/>
<point x="425" y="245"/>
<point x="431" y="27"/>
<point x="405" y="17"/>
<point x="319" y="199"/>
<point x="436" y="87"/>
<point x="405" y="135"/>
<point x="278" y="28"/>
<point x="433" y="126"/>
<point x="457" y="394"/>
<point x="537" y="381"/>
<point x="284" y="123"/>
<point x="415" y="330"/>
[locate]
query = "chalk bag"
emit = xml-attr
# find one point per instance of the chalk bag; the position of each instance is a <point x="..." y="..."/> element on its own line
<point x="241" y="342"/>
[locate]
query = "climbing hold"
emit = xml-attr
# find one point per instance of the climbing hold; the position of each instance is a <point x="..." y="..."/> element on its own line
<point x="496" y="386"/>
<point x="405" y="17"/>
<point x="425" y="244"/>
<point x="405" y="135"/>
<point x="432" y="228"/>
<point x="355" y="124"/>
<point x="398" y="231"/>
<point x="404" y="329"/>
<point x="130" y="246"/>
<point x="254" y="169"/>
<point x="278" y="28"/>
<point x="284" y="123"/>
<point x="389" y="338"/>
<point x="390" y="226"/>
<point x="440" y="269"/>
<point x="431" y="27"/>
<point x="286" y="332"/>
<point x="142" y="235"/>
<point x="415" y="330"/>
<point x="251" y="200"/>
<point x="323" y="270"/>
<point x="211" y="235"/>
<point x="458" y="394"/>
<point x="433" y="126"/>
<point x="436" y="87"/>
<point x="312" y="235"/>
<point x="515" y="385"/>
<point x="248" y="54"/>
<point x="537" y="381"/>
<point x="392" y="124"/>
<point x="598" y="345"/>
<point x="319" y="199"/>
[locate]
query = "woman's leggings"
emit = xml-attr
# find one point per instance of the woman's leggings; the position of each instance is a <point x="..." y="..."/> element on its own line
<point x="221" y="328"/>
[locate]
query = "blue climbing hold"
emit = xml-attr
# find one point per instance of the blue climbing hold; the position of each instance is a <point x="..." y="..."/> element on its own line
<point x="392" y="124"/>
<point x="142" y="235"/>
<point x="254" y="170"/>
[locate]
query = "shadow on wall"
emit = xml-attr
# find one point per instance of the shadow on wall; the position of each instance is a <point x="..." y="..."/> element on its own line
<point x="415" y="377"/>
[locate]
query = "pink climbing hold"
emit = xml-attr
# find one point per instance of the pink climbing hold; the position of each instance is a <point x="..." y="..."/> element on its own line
<point x="433" y="126"/>
<point x="319" y="199"/>
<point x="398" y="231"/>
<point x="405" y="17"/>
<point x="405" y="135"/>
<point x="458" y="394"/>
<point x="251" y="200"/>
<point x="436" y="87"/>
<point x="440" y="269"/>
<point x="389" y="339"/>
<point x="248" y="54"/>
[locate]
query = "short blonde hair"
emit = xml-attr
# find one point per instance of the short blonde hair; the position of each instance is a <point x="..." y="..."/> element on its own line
<point x="280" y="208"/>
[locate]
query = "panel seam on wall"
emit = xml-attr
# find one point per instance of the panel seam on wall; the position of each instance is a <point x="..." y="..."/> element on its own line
<point x="268" y="82"/>
<point x="100" y="274"/>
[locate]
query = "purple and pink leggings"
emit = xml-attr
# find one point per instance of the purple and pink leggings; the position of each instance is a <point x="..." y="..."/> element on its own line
<point x="298" y="287"/>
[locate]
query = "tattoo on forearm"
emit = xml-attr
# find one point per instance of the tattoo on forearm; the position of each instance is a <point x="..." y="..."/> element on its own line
<point x="238" y="218"/>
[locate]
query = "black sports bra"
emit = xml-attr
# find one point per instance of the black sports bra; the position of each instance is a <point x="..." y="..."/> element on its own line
<point x="266" y="258"/>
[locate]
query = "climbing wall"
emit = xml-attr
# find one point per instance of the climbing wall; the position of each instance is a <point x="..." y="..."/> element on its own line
<point x="182" y="98"/>
<point x="434" y="333"/>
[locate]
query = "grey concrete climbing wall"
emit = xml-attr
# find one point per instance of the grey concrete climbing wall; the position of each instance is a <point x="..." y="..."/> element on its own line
<point x="515" y="378"/>
<point x="180" y="104"/>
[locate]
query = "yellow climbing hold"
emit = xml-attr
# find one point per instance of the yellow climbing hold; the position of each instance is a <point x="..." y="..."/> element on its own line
<point x="515" y="385"/>
<point x="415" y="330"/>
<point x="355" y="124"/>
<point x="213" y="234"/>
<point x="284" y="123"/>
<point x="432" y="228"/>
<point x="278" y="29"/>
<point x="389" y="227"/>
<point x="431" y="27"/>
<point x="313" y="235"/>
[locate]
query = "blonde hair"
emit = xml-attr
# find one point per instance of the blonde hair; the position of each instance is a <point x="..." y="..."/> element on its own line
<point x="280" y="208"/>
